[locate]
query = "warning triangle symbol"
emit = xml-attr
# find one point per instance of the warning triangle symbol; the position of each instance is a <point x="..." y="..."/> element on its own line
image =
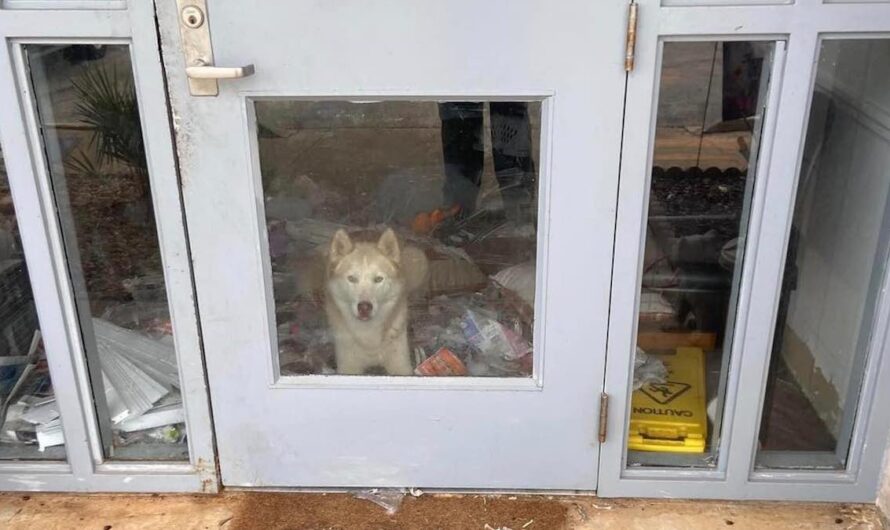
<point x="664" y="393"/>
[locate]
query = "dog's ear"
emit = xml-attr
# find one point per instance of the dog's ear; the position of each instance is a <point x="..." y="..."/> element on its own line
<point x="341" y="245"/>
<point x="388" y="245"/>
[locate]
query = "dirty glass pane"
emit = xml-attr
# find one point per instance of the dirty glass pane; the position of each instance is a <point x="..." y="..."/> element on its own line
<point x="710" y="105"/>
<point x="401" y="235"/>
<point x="30" y="424"/>
<point x="836" y="260"/>
<point x="89" y="121"/>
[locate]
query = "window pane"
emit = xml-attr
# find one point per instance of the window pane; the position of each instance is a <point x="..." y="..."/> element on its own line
<point x="402" y="235"/>
<point x="836" y="259"/>
<point x="709" y="117"/>
<point x="29" y="417"/>
<point x="89" y="119"/>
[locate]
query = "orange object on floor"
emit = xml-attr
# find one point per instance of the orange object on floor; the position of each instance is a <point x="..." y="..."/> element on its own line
<point x="426" y="222"/>
<point x="441" y="363"/>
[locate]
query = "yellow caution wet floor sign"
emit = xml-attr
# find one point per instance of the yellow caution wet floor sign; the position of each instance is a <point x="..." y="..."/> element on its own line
<point x="671" y="416"/>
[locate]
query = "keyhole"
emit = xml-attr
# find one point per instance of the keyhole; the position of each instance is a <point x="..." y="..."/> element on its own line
<point x="192" y="17"/>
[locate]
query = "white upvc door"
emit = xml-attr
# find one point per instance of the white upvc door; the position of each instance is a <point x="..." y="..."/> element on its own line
<point x="388" y="114"/>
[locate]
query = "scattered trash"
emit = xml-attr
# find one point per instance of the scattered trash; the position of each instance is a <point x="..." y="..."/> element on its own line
<point x="171" y="434"/>
<point x="492" y="338"/>
<point x="484" y="323"/>
<point x="472" y="313"/>
<point x="441" y="363"/>
<point x="390" y="499"/>
<point x="42" y="412"/>
<point x="426" y="222"/>
<point x="139" y="376"/>
<point x="31" y="361"/>
<point x="648" y="369"/>
<point x="117" y="349"/>
<point x="520" y="279"/>
<point x="158" y="417"/>
<point x="50" y="434"/>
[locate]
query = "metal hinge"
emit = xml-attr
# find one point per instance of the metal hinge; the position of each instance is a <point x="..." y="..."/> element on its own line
<point x="631" y="42"/>
<point x="604" y="416"/>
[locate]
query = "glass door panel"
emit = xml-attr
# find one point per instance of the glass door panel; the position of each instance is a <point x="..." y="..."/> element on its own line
<point x="92" y="132"/>
<point x="707" y="134"/>
<point x="836" y="260"/>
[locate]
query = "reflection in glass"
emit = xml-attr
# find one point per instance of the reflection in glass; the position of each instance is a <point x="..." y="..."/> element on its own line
<point x="835" y="263"/>
<point x="402" y="235"/>
<point x="30" y="426"/>
<point x="711" y="97"/>
<point x="89" y="120"/>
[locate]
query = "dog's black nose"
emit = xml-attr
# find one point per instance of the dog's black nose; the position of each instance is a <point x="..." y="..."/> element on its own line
<point x="364" y="309"/>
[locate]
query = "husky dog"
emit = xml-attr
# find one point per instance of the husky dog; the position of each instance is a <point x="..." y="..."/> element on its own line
<point x="367" y="287"/>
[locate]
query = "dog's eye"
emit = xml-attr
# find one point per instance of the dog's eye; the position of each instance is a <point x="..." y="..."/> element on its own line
<point x="378" y="279"/>
<point x="352" y="279"/>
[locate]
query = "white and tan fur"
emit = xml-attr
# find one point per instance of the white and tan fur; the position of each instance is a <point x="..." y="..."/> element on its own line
<point x="366" y="301"/>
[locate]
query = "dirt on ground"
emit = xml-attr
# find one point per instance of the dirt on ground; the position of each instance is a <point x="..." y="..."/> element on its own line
<point x="335" y="511"/>
<point x="342" y="512"/>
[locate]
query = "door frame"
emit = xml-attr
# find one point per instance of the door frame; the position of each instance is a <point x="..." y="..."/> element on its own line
<point x="86" y="468"/>
<point x="800" y="26"/>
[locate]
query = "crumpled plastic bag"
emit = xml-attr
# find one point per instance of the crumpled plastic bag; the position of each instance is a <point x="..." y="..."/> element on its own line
<point x="520" y="279"/>
<point x="648" y="369"/>
<point x="390" y="499"/>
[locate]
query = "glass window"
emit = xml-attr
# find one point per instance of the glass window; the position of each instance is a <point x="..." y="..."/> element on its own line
<point x="710" y="109"/>
<point x="29" y="417"/>
<point x="89" y="121"/>
<point x="836" y="260"/>
<point x="402" y="235"/>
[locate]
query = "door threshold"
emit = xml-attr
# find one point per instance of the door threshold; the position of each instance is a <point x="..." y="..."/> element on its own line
<point x="419" y="492"/>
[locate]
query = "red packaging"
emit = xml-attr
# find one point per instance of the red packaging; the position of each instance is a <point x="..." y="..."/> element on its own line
<point x="441" y="363"/>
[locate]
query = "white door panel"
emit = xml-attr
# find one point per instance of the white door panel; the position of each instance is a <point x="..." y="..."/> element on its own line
<point x="275" y="427"/>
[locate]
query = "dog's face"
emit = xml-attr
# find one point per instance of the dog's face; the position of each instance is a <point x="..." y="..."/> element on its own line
<point x="364" y="279"/>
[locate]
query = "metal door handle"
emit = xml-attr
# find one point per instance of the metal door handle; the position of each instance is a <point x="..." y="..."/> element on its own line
<point x="219" y="72"/>
<point x="194" y="27"/>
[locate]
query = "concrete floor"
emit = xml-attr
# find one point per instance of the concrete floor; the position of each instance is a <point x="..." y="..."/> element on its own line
<point x="237" y="510"/>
